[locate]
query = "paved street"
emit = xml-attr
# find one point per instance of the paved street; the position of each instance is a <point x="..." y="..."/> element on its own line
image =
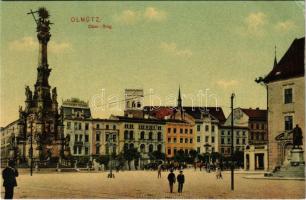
<point x="142" y="184"/>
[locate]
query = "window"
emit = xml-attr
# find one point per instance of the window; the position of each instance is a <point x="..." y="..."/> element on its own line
<point x="237" y="133"/>
<point x="181" y="130"/>
<point x="174" y="130"/>
<point x="106" y="138"/>
<point x="198" y="138"/>
<point x="80" y="126"/>
<point x="97" y="137"/>
<point x="159" y="136"/>
<point x="222" y="132"/>
<point x="222" y="150"/>
<point x="131" y="135"/>
<point x="262" y="126"/>
<point x="142" y="135"/>
<point x="186" y="140"/>
<point x="98" y="126"/>
<point x="190" y="141"/>
<point x="86" y="150"/>
<point x="212" y="139"/>
<point x="186" y="130"/>
<point x="114" y="138"/>
<point x="222" y="140"/>
<point x="243" y="141"/>
<point x="97" y="149"/>
<point x="228" y="140"/>
<point x="181" y="140"/>
<point x="151" y="148"/>
<point x="159" y="148"/>
<point x="169" y="140"/>
<point x="243" y="133"/>
<point x="228" y="132"/>
<point x="150" y="136"/>
<point x="114" y="127"/>
<point x="257" y="126"/>
<point x="169" y="130"/>
<point x="213" y="149"/>
<point x="213" y="128"/>
<point x="257" y="136"/>
<point x="75" y="126"/>
<point x="81" y="137"/>
<point x="252" y="136"/>
<point x="107" y="127"/>
<point x="126" y="134"/>
<point x="198" y="149"/>
<point x="288" y="95"/>
<point x="237" y="141"/>
<point x="206" y="138"/>
<point x="174" y="140"/>
<point x="190" y="131"/>
<point x="76" y="138"/>
<point x="159" y="128"/>
<point x="68" y="125"/>
<point x="288" y="123"/>
<point x="198" y="127"/>
<point x="80" y="150"/>
<point x="75" y="150"/>
<point x="206" y="128"/>
<point x="86" y="126"/>
<point x="169" y="151"/>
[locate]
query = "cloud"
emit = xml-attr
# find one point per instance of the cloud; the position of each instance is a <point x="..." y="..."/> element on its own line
<point x="254" y="24"/>
<point x="131" y="17"/>
<point x="128" y="17"/>
<point x="23" y="44"/>
<point x="152" y="14"/>
<point x="285" y="26"/>
<point x="227" y="83"/>
<point x="28" y="44"/>
<point x="171" y="48"/>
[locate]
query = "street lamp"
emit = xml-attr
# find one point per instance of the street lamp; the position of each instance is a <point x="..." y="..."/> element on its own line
<point x="232" y="142"/>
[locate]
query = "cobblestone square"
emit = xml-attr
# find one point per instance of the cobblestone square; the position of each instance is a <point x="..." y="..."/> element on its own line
<point x="145" y="184"/>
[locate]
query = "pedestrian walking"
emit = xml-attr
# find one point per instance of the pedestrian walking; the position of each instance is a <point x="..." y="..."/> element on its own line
<point x="159" y="171"/>
<point x="171" y="179"/>
<point x="9" y="175"/>
<point x="180" y="180"/>
<point x="218" y="173"/>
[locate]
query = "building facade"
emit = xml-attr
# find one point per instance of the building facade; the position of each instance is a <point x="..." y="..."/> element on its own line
<point x="179" y="136"/>
<point x="285" y="85"/>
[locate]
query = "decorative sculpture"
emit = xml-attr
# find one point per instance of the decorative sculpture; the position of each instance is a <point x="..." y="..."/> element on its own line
<point x="297" y="137"/>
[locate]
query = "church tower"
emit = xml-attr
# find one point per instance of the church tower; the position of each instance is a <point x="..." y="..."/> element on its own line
<point x="40" y="120"/>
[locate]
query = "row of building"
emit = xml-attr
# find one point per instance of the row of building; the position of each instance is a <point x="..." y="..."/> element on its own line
<point x="42" y="131"/>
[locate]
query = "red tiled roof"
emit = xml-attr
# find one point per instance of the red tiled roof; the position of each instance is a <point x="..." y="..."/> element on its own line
<point x="291" y="64"/>
<point x="196" y="112"/>
<point x="255" y="114"/>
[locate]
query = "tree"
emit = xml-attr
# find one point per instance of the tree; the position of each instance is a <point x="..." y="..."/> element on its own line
<point x="180" y="156"/>
<point x="103" y="159"/>
<point x="215" y="156"/>
<point x="131" y="154"/>
<point x="193" y="155"/>
<point x="157" y="155"/>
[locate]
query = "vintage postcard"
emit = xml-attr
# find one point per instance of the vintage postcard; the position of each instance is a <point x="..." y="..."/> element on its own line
<point x="152" y="99"/>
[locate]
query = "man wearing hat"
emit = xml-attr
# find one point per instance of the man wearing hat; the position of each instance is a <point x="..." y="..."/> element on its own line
<point x="171" y="179"/>
<point x="9" y="175"/>
<point x="180" y="180"/>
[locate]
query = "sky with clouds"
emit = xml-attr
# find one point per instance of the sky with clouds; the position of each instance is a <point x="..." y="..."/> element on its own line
<point x="210" y="49"/>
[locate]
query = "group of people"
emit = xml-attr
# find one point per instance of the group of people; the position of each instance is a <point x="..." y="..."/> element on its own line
<point x="180" y="179"/>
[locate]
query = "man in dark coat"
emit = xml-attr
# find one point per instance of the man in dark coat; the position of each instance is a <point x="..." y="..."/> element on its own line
<point x="9" y="175"/>
<point x="180" y="180"/>
<point x="171" y="179"/>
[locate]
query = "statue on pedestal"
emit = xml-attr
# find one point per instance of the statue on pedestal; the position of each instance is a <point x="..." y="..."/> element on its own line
<point x="297" y="137"/>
